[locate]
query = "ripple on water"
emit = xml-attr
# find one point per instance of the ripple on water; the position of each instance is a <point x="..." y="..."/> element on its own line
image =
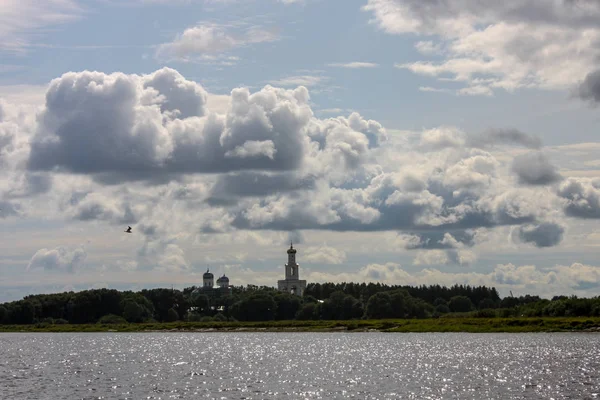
<point x="299" y="365"/>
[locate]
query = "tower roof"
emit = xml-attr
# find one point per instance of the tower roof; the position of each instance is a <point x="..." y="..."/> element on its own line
<point x="291" y="250"/>
<point x="208" y="274"/>
<point x="223" y="279"/>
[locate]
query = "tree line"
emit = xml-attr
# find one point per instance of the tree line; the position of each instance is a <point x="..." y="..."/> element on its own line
<point x="326" y="301"/>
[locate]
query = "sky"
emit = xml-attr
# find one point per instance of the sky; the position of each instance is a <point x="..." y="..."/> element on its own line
<point x="397" y="141"/>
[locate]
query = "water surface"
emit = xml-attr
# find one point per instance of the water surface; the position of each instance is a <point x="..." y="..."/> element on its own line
<point x="299" y="366"/>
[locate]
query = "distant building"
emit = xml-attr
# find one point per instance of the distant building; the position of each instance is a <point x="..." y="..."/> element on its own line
<point x="208" y="279"/>
<point x="292" y="283"/>
<point x="208" y="285"/>
<point x="223" y="282"/>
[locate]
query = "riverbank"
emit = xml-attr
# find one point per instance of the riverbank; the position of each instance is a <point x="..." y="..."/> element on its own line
<point x="473" y="325"/>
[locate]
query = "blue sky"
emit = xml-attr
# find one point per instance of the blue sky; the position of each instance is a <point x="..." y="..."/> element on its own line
<point x="398" y="142"/>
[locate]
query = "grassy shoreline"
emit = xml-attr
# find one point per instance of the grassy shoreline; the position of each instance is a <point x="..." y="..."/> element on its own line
<point x="474" y="325"/>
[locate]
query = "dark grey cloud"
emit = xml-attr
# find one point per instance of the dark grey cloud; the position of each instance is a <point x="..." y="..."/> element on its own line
<point x="389" y="210"/>
<point x="229" y="188"/>
<point x="582" y="197"/>
<point x="7" y="133"/>
<point x="534" y="168"/>
<point x="208" y="229"/>
<point x="441" y="204"/>
<point x="90" y="207"/>
<point x="32" y="184"/>
<point x="446" y="137"/>
<point x="295" y="237"/>
<point x="148" y="229"/>
<point x="76" y="197"/>
<point x="584" y="285"/>
<point x="589" y="89"/>
<point x="9" y="209"/>
<point x="96" y="211"/>
<point x="6" y="140"/>
<point x="545" y="234"/>
<point x="504" y="136"/>
<point x="38" y="183"/>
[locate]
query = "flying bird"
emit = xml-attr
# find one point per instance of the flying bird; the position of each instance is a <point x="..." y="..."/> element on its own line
<point x="128" y="230"/>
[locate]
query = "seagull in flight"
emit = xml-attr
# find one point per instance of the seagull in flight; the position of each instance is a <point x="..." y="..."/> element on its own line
<point x="128" y="230"/>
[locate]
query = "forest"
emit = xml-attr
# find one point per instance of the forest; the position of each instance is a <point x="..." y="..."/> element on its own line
<point x="326" y="301"/>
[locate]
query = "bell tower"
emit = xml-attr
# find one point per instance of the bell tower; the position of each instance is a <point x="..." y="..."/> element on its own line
<point x="292" y="283"/>
<point x="291" y="268"/>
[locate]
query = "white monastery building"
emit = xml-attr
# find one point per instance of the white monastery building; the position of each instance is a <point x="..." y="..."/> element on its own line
<point x="292" y="283"/>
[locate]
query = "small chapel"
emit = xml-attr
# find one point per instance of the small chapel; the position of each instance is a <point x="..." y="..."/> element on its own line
<point x="292" y="283"/>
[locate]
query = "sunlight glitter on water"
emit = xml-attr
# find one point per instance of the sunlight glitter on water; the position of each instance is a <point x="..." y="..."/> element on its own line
<point x="299" y="366"/>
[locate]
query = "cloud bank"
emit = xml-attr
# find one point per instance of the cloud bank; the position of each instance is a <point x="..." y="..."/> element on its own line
<point x="549" y="44"/>
<point x="147" y="150"/>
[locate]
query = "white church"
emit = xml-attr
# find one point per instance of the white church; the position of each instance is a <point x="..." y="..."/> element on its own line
<point x="292" y="283"/>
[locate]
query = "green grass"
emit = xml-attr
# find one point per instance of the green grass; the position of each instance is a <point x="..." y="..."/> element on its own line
<point x="467" y="324"/>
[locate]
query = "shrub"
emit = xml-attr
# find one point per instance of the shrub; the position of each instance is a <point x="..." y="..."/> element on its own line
<point x="193" y="317"/>
<point x="486" y="313"/>
<point x="220" y="317"/>
<point x="172" y="315"/>
<point x="112" y="319"/>
<point x="307" y="312"/>
<point x="507" y="312"/>
<point x="442" y="309"/>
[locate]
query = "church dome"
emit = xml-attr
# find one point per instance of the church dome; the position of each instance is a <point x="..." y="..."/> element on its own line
<point x="291" y="250"/>
<point x="223" y="279"/>
<point x="208" y="275"/>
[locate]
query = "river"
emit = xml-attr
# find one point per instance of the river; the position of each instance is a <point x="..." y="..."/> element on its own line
<point x="299" y="366"/>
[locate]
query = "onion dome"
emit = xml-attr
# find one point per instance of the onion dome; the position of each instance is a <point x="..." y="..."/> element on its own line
<point x="291" y="250"/>
<point x="223" y="279"/>
<point x="208" y="275"/>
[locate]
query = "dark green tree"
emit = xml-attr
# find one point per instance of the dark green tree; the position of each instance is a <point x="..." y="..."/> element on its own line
<point x="442" y="309"/>
<point x="401" y="303"/>
<point x="440" y="301"/>
<point x="133" y="312"/>
<point x="287" y="306"/>
<point x="308" y="311"/>
<point x="486" y="304"/>
<point x="165" y="299"/>
<point x="201" y="301"/>
<point x="460" y="304"/>
<point x="3" y="314"/>
<point x="172" y="315"/>
<point x="379" y="306"/>
<point x="258" y="306"/>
